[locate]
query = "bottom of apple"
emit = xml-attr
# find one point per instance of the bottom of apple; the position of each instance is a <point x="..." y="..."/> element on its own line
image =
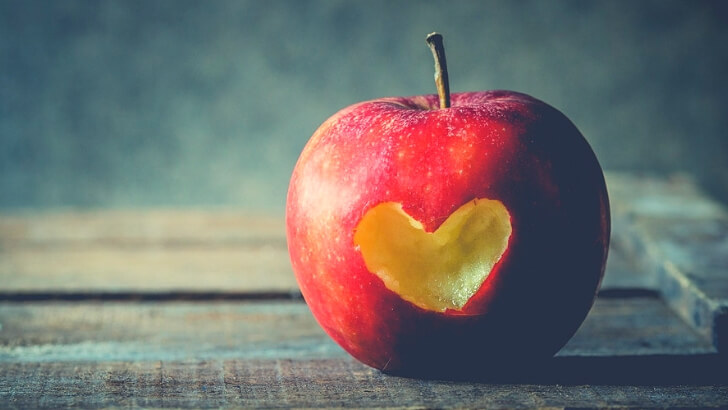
<point x="453" y="358"/>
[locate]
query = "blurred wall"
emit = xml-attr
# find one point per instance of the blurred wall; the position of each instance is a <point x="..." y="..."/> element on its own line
<point x="198" y="103"/>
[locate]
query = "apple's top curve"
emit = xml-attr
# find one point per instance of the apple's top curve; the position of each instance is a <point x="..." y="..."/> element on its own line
<point x="429" y="102"/>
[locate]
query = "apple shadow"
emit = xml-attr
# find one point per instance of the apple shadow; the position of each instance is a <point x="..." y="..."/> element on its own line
<point x="647" y="370"/>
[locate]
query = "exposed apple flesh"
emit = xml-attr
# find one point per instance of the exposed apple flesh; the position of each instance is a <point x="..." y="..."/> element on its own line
<point x="437" y="270"/>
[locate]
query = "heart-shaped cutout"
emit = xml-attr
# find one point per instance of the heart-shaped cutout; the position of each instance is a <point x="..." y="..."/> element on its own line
<point x="439" y="270"/>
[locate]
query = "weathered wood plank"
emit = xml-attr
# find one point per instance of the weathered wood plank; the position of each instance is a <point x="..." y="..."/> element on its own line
<point x="621" y="272"/>
<point x="159" y="251"/>
<point x="160" y="331"/>
<point x="222" y="269"/>
<point x="138" y="228"/>
<point x="322" y="383"/>
<point x="93" y="331"/>
<point x="681" y="239"/>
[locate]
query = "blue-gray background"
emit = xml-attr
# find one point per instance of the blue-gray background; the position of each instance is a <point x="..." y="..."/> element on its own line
<point x="198" y="103"/>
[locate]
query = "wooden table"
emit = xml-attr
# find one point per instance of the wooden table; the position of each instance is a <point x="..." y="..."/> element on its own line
<point x="191" y="308"/>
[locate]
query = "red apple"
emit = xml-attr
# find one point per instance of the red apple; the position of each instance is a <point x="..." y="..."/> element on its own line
<point x="425" y="237"/>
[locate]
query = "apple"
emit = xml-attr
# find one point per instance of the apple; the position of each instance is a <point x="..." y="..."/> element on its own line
<point x="440" y="231"/>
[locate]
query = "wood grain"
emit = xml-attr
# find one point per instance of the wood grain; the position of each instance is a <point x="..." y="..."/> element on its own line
<point x="224" y="268"/>
<point x="98" y="331"/>
<point x="680" y="238"/>
<point x="144" y="251"/>
<point x="630" y="352"/>
<point x="314" y="383"/>
<point x="160" y="331"/>
<point x="138" y="228"/>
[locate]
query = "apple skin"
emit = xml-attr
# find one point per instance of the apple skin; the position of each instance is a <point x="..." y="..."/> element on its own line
<point x="494" y="144"/>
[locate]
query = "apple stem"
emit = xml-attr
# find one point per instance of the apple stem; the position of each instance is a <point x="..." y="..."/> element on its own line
<point x="434" y="41"/>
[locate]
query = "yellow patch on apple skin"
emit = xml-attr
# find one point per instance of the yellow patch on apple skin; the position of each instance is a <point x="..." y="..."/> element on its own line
<point x="439" y="270"/>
